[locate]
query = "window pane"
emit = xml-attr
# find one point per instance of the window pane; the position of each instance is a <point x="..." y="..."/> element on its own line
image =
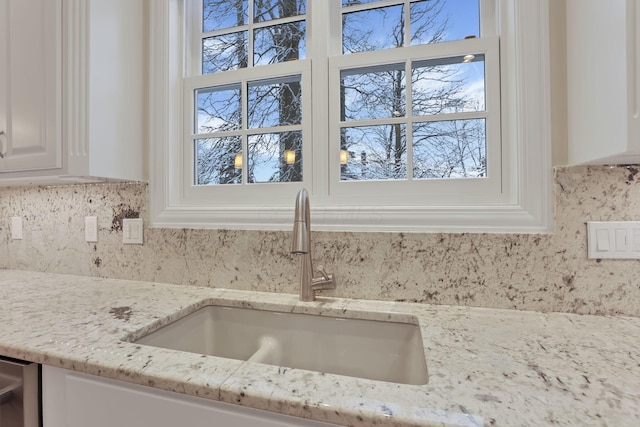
<point x="450" y="149"/>
<point x="373" y="93"/>
<point x="218" y="109"/>
<point x="374" y="153"/>
<point x="267" y="10"/>
<point x="430" y="21"/>
<point x="448" y="85"/>
<point x="225" y="52"/>
<point x="279" y="43"/>
<point x="220" y="14"/>
<point x="275" y="157"/>
<point x="275" y="103"/>
<point x="373" y="29"/>
<point x="218" y="161"/>
<point x="434" y="21"/>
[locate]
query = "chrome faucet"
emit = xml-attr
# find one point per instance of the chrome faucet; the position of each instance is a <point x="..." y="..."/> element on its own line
<point x="301" y="245"/>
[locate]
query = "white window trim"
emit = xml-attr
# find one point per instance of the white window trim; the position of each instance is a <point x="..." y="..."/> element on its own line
<point x="524" y="29"/>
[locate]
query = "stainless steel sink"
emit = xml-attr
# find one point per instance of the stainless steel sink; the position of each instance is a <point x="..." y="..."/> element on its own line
<point x="378" y="350"/>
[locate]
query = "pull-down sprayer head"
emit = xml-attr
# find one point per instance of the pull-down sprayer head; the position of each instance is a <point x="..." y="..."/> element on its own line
<point x="301" y="241"/>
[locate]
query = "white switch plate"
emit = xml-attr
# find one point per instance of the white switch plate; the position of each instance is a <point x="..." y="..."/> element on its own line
<point x="613" y="239"/>
<point x="91" y="229"/>
<point x="16" y="228"/>
<point x="132" y="231"/>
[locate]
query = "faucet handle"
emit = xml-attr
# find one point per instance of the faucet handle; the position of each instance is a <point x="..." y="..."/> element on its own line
<point x="324" y="274"/>
<point x="326" y="282"/>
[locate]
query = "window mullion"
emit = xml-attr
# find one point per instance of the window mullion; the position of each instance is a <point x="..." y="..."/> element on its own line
<point x="274" y="129"/>
<point x="409" y="118"/>
<point x="407" y="23"/>
<point x="324" y="37"/>
<point x="244" y="96"/>
<point x="250" y="35"/>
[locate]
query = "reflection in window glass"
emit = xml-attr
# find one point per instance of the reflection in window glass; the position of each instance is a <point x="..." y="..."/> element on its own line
<point x="450" y="149"/>
<point x="448" y="85"/>
<point x="279" y="43"/>
<point x="275" y="157"/>
<point x="275" y="103"/>
<point x="218" y="109"/>
<point x="267" y="10"/>
<point x="373" y="93"/>
<point x="372" y="29"/>
<point x="221" y="14"/>
<point x="224" y="53"/>
<point x="218" y="161"/>
<point x="373" y="153"/>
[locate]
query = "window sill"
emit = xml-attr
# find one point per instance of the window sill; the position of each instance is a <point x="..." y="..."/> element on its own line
<point x="501" y="219"/>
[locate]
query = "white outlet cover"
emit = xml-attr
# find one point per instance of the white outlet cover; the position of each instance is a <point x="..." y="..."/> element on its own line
<point x="16" y="228"/>
<point x="91" y="229"/>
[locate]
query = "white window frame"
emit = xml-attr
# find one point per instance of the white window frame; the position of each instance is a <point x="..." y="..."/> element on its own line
<point x="525" y="204"/>
<point x="453" y="192"/>
<point x="242" y="194"/>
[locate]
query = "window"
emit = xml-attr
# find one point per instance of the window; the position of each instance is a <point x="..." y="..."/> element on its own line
<point x="242" y="107"/>
<point x="393" y="113"/>
<point x="415" y="104"/>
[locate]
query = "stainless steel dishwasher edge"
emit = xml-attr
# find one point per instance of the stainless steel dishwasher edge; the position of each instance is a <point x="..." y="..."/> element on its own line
<point x="19" y="393"/>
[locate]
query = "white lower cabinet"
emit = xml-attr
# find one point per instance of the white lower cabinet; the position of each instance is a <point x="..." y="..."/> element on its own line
<point x="72" y="399"/>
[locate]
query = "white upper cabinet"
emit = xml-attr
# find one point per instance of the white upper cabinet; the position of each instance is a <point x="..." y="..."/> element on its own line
<point x="72" y="91"/>
<point x="30" y="72"/>
<point x="603" y="66"/>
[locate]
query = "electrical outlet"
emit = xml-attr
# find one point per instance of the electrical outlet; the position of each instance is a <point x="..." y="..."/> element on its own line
<point x="91" y="229"/>
<point x="16" y="228"/>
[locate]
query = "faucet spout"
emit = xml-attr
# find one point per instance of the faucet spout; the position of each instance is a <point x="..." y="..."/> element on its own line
<point x="301" y="245"/>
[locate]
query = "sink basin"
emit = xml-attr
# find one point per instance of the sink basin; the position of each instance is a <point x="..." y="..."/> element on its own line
<point x="377" y="350"/>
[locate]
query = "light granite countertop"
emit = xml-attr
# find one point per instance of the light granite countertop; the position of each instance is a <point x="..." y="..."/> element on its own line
<point x="486" y="366"/>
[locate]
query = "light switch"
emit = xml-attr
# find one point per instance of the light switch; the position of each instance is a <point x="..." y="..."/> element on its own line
<point x="621" y="240"/>
<point x="16" y="228"/>
<point x="91" y="228"/>
<point x="635" y="240"/>
<point x="132" y="231"/>
<point x="613" y="239"/>
<point x="602" y="240"/>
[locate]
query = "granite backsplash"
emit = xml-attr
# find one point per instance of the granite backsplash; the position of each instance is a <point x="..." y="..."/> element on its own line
<point x="543" y="272"/>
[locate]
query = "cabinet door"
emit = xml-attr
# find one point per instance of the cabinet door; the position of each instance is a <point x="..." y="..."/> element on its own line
<point x="78" y="400"/>
<point x="30" y="77"/>
<point x="603" y="86"/>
